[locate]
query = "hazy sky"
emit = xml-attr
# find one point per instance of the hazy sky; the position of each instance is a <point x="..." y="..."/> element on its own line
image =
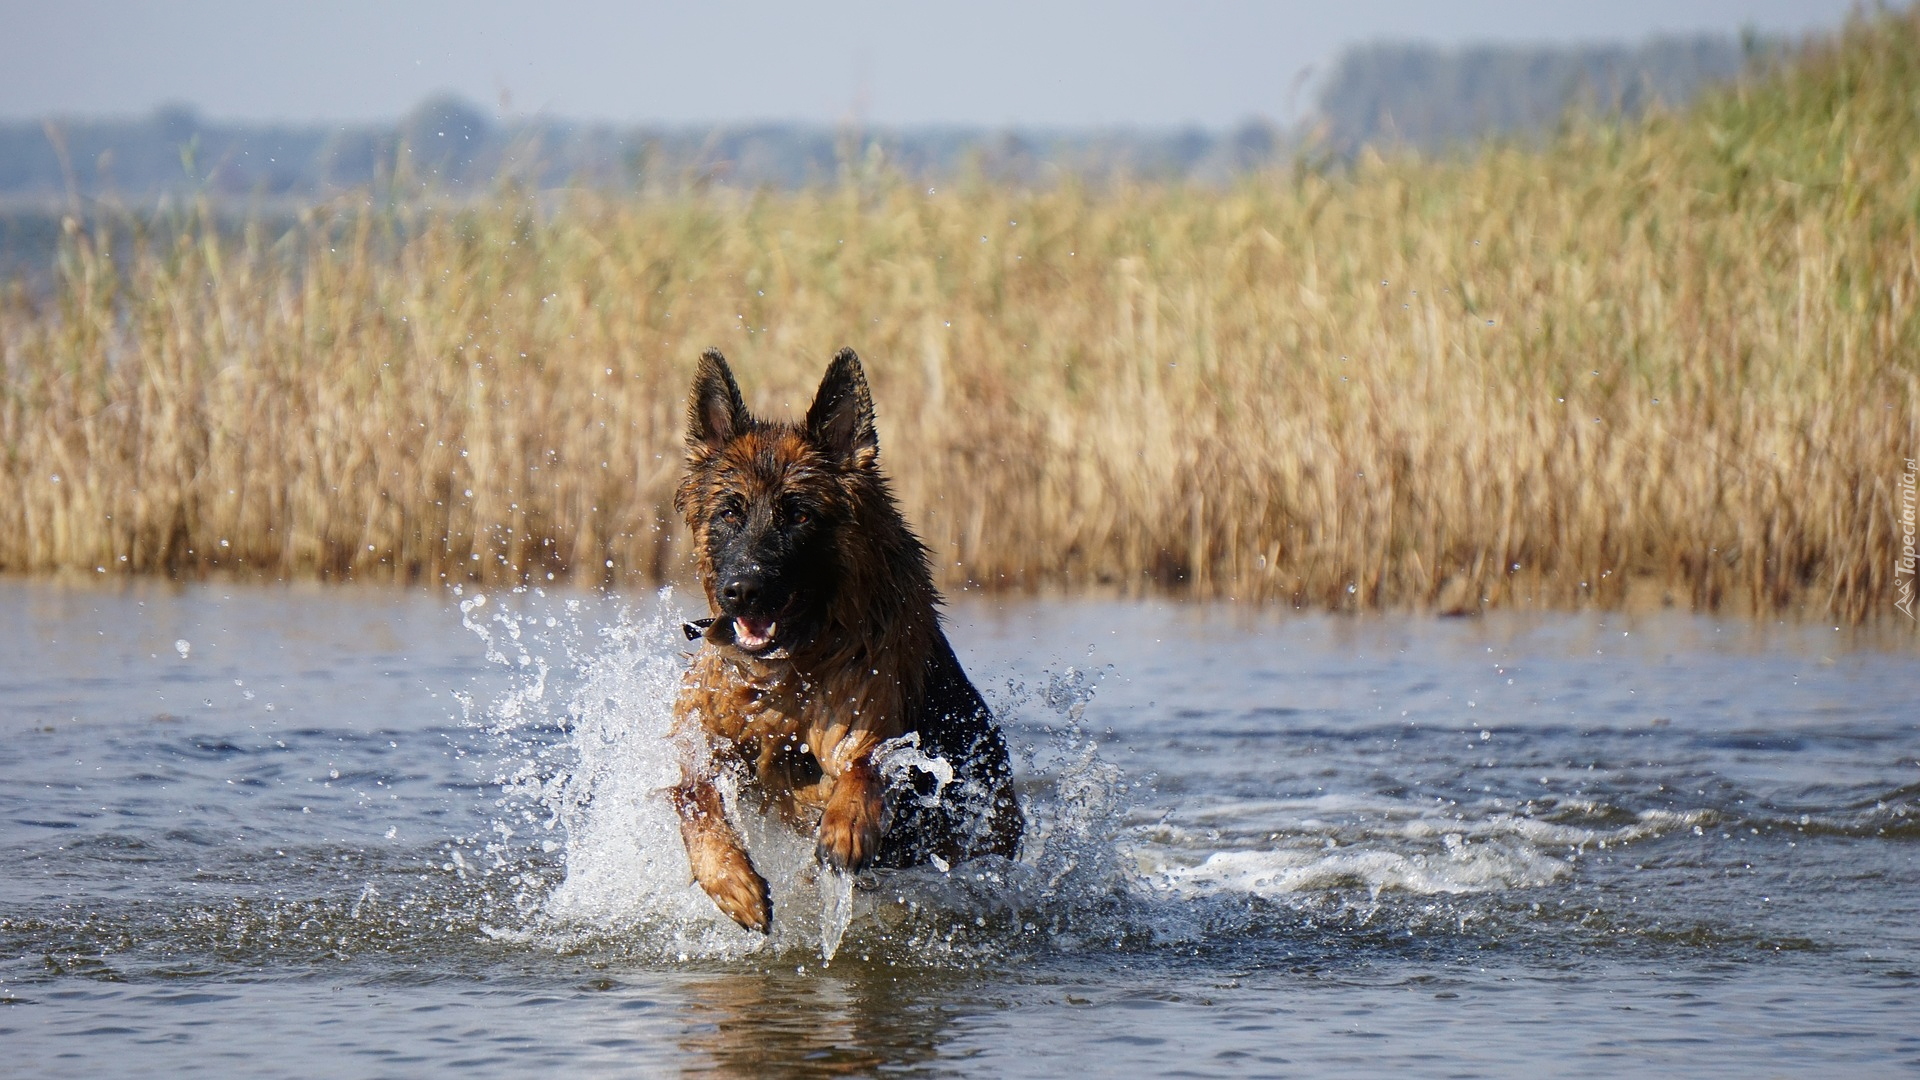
<point x="993" y="62"/>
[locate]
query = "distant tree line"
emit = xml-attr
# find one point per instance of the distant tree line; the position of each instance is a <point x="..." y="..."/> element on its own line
<point x="1405" y="95"/>
<point x="1431" y="99"/>
<point x="449" y="144"/>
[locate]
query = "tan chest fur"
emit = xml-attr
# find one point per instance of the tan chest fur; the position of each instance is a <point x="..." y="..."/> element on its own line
<point x="738" y="700"/>
<point x="796" y="732"/>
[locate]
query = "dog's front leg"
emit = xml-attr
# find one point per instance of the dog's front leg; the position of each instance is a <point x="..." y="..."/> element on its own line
<point x="711" y="714"/>
<point x="850" y="822"/>
<point x="714" y="851"/>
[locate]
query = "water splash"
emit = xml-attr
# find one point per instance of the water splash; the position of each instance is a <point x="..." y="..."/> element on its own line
<point x="589" y="841"/>
<point x="836" y="911"/>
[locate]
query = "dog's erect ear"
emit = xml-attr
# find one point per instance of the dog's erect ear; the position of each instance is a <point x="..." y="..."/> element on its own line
<point x="715" y="414"/>
<point x="841" y="418"/>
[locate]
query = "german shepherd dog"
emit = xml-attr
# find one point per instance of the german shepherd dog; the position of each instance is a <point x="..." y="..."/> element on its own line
<point x="824" y="648"/>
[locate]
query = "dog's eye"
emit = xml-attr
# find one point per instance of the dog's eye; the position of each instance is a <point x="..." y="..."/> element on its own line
<point x="728" y="515"/>
<point x="798" y="516"/>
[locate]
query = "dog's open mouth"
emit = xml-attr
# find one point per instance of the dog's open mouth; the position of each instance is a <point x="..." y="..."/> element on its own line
<point x="754" y="634"/>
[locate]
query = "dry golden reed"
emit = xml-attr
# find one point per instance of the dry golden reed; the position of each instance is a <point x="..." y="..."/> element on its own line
<point x="1673" y="357"/>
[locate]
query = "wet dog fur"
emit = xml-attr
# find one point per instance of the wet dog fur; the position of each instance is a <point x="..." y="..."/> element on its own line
<point x="825" y="645"/>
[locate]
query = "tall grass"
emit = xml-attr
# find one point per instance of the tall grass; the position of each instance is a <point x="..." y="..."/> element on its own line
<point x="1673" y="359"/>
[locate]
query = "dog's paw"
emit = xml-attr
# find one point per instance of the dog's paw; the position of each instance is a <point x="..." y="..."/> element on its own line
<point x="850" y="828"/>
<point x="743" y="897"/>
<point x="737" y="889"/>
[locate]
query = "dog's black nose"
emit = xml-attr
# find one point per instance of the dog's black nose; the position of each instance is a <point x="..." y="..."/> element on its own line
<point x="741" y="592"/>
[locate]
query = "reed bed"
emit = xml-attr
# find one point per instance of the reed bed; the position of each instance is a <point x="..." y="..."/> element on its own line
<point x="1673" y="360"/>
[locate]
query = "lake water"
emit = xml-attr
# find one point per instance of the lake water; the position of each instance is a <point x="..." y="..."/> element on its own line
<point x="312" y="832"/>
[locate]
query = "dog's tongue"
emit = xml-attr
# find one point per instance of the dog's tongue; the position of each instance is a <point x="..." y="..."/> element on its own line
<point x="752" y="633"/>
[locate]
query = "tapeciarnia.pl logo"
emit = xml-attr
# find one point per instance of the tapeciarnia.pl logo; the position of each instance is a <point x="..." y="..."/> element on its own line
<point x="1903" y="565"/>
